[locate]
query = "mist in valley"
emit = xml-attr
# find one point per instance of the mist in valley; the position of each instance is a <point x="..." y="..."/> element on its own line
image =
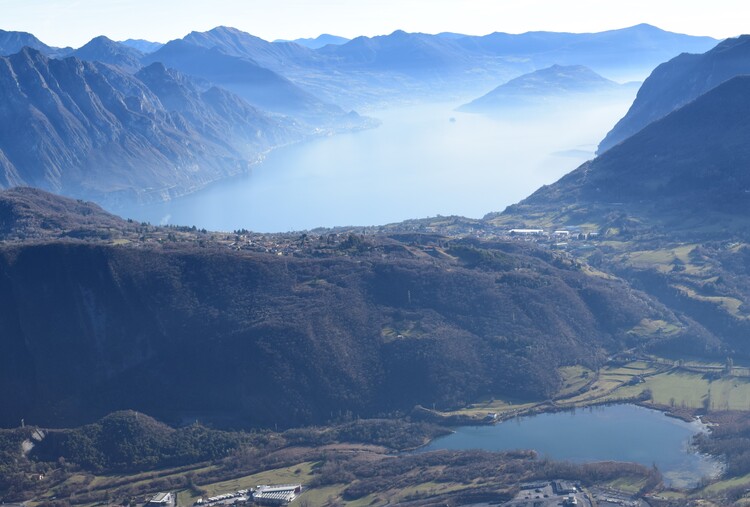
<point x="423" y="160"/>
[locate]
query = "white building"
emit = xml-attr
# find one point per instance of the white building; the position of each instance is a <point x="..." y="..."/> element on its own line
<point x="160" y="499"/>
<point x="276" y="495"/>
<point x="527" y="232"/>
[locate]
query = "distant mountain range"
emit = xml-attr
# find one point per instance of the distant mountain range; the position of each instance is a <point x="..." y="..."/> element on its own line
<point x="256" y="84"/>
<point x="88" y="129"/>
<point x="543" y="86"/>
<point x="677" y="82"/>
<point x="101" y="49"/>
<point x="114" y="121"/>
<point x="379" y="69"/>
<point x="13" y="42"/>
<point x="374" y="70"/>
<point x="144" y="46"/>
<point x="319" y="41"/>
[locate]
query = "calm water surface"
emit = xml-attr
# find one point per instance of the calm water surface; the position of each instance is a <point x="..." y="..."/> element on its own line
<point x="611" y="433"/>
<point x="417" y="164"/>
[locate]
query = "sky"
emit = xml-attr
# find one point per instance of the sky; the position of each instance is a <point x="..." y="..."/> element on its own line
<point x="74" y="22"/>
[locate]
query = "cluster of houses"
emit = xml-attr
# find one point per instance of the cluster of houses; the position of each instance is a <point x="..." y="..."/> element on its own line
<point x="560" y="234"/>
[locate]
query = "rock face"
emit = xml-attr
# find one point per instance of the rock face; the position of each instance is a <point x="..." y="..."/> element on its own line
<point x="555" y="82"/>
<point x="679" y="81"/>
<point x="91" y="130"/>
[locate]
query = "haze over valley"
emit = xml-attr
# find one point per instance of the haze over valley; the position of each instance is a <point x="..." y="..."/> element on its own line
<point x="356" y="269"/>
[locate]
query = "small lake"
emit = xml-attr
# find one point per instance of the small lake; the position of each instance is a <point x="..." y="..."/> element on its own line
<point x="609" y="433"/>
<point x="423" y="160"/>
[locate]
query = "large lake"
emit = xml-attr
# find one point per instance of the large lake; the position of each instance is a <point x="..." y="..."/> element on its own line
<point x="611" y="433"/>
<point x="417" y="164"/>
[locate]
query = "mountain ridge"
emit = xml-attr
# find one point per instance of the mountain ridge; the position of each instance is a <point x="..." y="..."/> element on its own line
<point x="544" y="85"/>
<point x="681" y="171"/>
<point x="98" y="131"/>
<point x="105" y="50"/>
<point x="679" y="81"/>
<point x="370" y="325"/>
<point x="242" y="75"/>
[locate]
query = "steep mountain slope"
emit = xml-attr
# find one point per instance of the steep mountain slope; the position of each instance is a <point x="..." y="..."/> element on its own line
<point x="369" y="325"/>
<point x="671" y="205"/>
<point x="13" y="42"/>
<point x="258" y="85"/>
<point x="542" y="85"/>
<point x="689" y="166"/>
<point x="273" y="55"/>
<point x="679" y="81"/>
<point x="102" y="49"/>
<point x="88" y="129"/>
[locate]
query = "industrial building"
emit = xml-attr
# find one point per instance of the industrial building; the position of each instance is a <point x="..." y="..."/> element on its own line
<point x="160" y="500"/>
<point x="276" y="495"/>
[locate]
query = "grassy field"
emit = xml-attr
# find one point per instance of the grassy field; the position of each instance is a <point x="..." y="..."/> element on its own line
<point x="609" y="380"/>
<point x="720" y="486"/>
<point x="731" y="305"/>
<point x="649" y="327"/>
<point x="672" y="386"/>
<point x="627" y="484"/>
<point x="492" y="405"/>
<point x="663" y="260"/>
<point x="332" y="494"/>
<point x="574" y="378"/>
<point x="301" y="473"/>
<point x="693" y="390"/>
<point x="321" y="496"/>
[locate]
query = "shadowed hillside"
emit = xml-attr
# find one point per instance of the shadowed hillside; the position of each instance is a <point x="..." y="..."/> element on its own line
<point x="371" y="325"/>
<point x="679" y="81"/>
<point x="686" y="172"/>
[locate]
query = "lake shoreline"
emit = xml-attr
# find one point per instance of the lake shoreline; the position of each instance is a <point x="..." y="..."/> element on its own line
<point x="622" y="432"/>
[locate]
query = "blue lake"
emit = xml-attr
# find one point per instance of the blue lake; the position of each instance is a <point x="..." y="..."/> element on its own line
<point x="610" y="433"/>
<point x="417" y="164"/>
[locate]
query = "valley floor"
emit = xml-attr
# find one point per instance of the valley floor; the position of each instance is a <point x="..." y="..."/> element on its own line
<point x="363" y="475"/>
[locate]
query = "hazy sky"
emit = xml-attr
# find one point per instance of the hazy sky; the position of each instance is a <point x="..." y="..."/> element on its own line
<point x="74" y="22"/>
